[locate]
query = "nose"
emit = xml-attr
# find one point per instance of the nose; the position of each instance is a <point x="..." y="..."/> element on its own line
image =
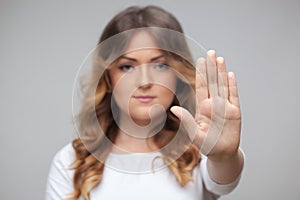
<point x="144" y="78"/>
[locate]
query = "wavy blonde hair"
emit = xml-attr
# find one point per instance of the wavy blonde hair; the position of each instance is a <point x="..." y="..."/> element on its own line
<point x="96" y="106"/>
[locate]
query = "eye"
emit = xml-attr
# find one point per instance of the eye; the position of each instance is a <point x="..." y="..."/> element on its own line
<point x="161" y="66"/>
<point x="126" y="68"/>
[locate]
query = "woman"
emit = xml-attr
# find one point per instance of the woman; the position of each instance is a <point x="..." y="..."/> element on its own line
<point x="142" y="127"/>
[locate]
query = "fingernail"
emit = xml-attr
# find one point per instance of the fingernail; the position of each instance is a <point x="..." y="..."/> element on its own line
<point x="201" y="60"/>
<point x="220" y="59"/>
<point x="211" y="52"/>
<point x="231" y="74"/>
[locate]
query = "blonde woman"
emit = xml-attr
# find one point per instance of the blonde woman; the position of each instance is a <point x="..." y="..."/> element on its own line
<point x="151" y="126"/>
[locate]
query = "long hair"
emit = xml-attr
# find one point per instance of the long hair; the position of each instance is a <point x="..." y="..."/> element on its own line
<point x="96" y="107"/>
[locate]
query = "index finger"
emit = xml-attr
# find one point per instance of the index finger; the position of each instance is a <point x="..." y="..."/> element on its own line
<point x="201" y="80"/>
<point x="212" y="77"/>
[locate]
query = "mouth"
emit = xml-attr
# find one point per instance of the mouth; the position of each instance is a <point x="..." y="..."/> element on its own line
<point x="144" y="98"/>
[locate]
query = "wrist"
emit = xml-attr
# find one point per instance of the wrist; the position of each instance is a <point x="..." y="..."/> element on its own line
<point x="226" y="157"/>
<point x="225" y="169"/>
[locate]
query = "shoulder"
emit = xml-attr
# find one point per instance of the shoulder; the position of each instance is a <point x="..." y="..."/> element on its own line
<point x="59" y="183"/>
<point x="61" y="165"/>
<point x="63" y="160"/>
<point x="65" y="156"/>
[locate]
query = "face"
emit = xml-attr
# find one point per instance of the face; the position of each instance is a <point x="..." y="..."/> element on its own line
<point x="141" y="79"/>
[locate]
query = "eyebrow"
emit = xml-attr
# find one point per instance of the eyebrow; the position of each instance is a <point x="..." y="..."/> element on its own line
<point x="135" y="60"/>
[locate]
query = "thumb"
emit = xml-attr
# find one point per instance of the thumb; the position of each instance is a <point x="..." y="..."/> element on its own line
<point x="182" y="114"/>
<point x="188" y="123"/>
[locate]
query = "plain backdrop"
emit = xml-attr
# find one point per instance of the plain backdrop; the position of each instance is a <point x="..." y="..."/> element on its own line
<point x="43" y="43"/>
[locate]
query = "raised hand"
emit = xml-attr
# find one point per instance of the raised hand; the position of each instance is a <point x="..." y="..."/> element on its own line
<point x="216" y="128"/>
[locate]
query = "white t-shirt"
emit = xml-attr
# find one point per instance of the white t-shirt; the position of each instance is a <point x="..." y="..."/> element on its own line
<point x="128" y="176"/>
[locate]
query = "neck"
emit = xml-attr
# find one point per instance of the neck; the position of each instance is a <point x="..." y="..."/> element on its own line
<point x="140" y="128"/>
<point x="129" y="144"/>
<point x="136" y="135"/>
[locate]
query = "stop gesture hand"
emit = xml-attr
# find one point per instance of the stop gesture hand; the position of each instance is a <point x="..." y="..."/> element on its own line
<point x="216" y="128"/>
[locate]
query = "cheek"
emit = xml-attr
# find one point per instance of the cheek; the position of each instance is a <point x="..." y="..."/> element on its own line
<point x="173" y="83"/>
<point x="123" y="88"/>
<point x="166" y="97"/>
<point x="114" y="77"/>
<point x="170" y="83"/>
<point x="167" y="81"/>
<point x="121" y="94"/>
<point x="167" y="90"/>
<point x="170" y="94"/>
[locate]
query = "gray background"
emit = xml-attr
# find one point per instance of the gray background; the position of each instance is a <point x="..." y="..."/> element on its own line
<point x="42" y="44"/>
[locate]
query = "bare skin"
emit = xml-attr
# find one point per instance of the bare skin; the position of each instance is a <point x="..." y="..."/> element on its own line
<point x="216" y="131"/>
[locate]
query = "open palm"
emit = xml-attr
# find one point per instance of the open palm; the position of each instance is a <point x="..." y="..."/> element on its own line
<point x="216" y="128"/>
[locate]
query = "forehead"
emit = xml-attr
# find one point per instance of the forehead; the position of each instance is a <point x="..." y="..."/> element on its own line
<point x="144" y="55"/>
<point x="141" y="40"/>
<point x="142" y="46"/>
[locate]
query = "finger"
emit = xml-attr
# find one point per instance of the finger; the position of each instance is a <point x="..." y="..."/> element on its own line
<point x="222" y="78"/>
<point x="201" y="80"/>
<point x="233" y="91"/>
<point x="212" y="77"/>
<point x="189" y="124"/>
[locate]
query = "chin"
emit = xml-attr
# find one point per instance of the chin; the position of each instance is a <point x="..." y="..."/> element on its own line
<point x="146" y="112"/>
<point x="142" y="116"/>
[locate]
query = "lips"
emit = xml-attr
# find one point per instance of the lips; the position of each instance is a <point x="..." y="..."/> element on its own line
<point x="144" y="98"/>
